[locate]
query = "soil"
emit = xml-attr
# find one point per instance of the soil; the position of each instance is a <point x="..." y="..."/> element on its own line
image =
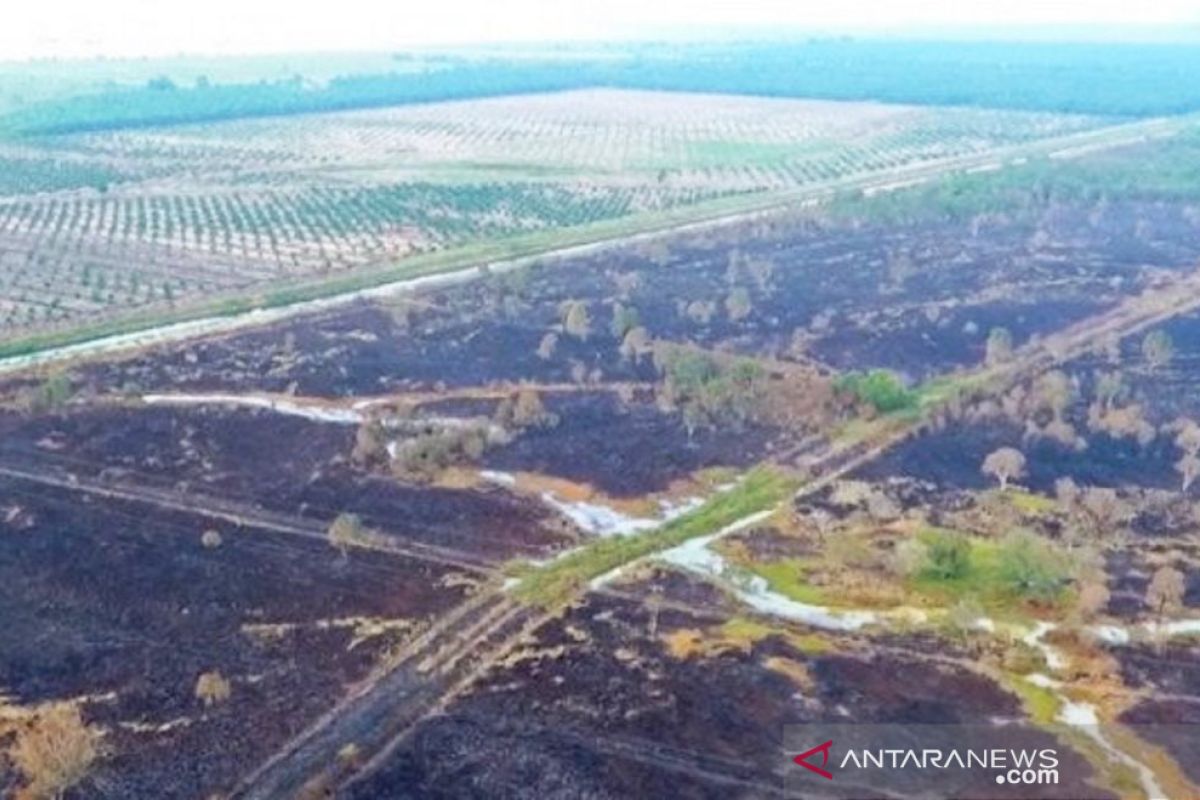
<point x="283" y="464"/>
<point x="595" y="685"/>
<point x="628" y="449"/>
<point x="122" y="603"/>
<point x="918" y="299"/>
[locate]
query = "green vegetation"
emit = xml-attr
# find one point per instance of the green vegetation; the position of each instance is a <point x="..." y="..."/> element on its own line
<point x="32" y="175"/>
<point x="1031" y="567"/>
<point x="1017" y="567"/>
<point x="1029" y="503"/>
<point x="1167" y="169"/>
<point x="708" y="392"/>
<point x="558" y="582"/>
<point x="881" y="389"/>
<point x="1041" y="705"/>
<point x="1081" y="78"/>
<point x="51" y="394"/>
<point x="748" y="631"/>
<point x="787" y="577"/>
<point x="524" y="247"/>
<point x="947" y="556"/>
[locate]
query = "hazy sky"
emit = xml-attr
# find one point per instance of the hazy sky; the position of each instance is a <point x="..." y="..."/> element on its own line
<point x="32" y="28"/>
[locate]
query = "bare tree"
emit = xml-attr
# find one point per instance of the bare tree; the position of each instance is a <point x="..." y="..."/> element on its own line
<point x="1165" y="592"/>
<point x="627" y="283"/>
<point x="370" y="442"/>
<point x="1004" y="465"/>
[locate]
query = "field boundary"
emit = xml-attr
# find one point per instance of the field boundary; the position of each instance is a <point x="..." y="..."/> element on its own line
<point x="260" y="305"/>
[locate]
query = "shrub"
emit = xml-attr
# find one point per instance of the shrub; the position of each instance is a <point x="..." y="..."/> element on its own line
<point x="212" y="688"/>
<point x="879" y="388"/>
<point x="624" y="319"/>
<point x="738" y="304"/>
<point x="50" y="395"/>
<point x="706" y="391"/>
<point x="55" y="751"/>
<point x="430" y="448"/>
<point x="1028" y="566"/>
<point x="346" y="531"/>
<point x="576" y="320"/>
<point x="999" y="346"/>
<point x="1158" y="349"/>
<point x="947" y="556"/>
<point x="524" y="410"/>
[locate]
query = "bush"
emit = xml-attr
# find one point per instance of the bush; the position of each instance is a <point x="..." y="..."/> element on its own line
<point x="55" y="751"/>
<point x="1029" y="566"/>
<point x="709" y="393"/>
<point x="879" y="388"/>
<point x="947" y="556"/>
<point x="347" y="531"/>
<point x="424" y="456"/>
<point x="212" y="688"/>
<point x="50" y="395"/>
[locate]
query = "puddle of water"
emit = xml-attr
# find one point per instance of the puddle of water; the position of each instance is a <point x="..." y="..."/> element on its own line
<point x="501" y="478"/>
<point x="1054" y="659"/>
<point x="601" y="520"/>
<point x="1178" y="627"/>
<point x="753" y="590"/>
<point x="1111" y="634"/>
<point x="1083" y="716"/>
<point x="337" y="416"/>
<point x="597" y="519"/>
<point x="1044" y="681"/>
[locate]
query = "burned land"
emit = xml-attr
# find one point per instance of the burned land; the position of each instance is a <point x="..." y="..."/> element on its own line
<point x="603" y="524"/>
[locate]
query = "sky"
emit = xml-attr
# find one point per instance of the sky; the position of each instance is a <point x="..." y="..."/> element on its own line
<point x="118" y="28"/>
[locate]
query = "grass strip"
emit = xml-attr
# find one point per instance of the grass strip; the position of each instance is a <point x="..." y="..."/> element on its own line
<point x="557" y="583"/>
